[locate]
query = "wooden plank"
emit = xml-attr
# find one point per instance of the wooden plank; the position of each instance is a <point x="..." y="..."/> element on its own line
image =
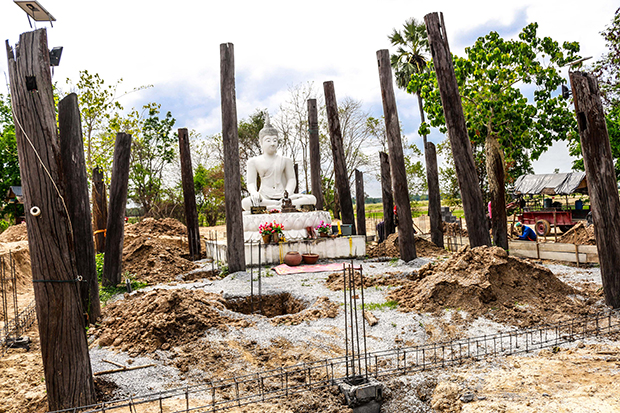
<point x="340" y="163"/>
<point x="189" y="195"/>
<point x="471" y="194"/>
<point x="602" y="185"/>
<point x="360" y="207"/>
<point x="549" y="255"/>
<point x="559" y="251"/>
<point x="115" y="229"/>
<point x="386" y="195"/>
<point x="78" y="202"/>
<point x="232" y="176"/>
<point x="64" y="349"/>
<point x="406" y="240"/>
<point x="315" y="154"/>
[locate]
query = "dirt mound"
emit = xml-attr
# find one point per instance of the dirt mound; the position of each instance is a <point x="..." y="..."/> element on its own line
<point x="486" y="281"/>
<point x="454" y="229"/>
<point x="579" y="234"/>
<point x="389" y="248"/>
<point x="153" y="260"/>
<point x="21" y="259"/>
<point x="160" y="319"/>
<point x="335" y="282"/>
<point x="14" y="233"/>
<point x="156" y="227"/>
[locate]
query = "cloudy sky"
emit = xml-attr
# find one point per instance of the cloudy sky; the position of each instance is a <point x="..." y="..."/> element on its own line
<point x="174" y="46"/>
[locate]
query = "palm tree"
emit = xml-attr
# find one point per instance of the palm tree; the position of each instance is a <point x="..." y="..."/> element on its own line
<point x="411" y="57"/>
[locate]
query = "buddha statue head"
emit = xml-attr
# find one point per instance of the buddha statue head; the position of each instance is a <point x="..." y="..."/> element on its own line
<point x="268" y="138"/>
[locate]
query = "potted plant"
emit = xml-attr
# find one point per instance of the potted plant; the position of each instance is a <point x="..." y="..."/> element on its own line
<point x="323" y="229"/>
<point x="277" y="232"/>
<point x="266" y="231"/>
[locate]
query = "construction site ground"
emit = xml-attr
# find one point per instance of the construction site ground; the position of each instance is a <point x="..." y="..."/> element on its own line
<point x="196" y="328"/>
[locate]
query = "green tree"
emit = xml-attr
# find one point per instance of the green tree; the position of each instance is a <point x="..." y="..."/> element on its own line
<point x="607" y="69"/>
<point x="9" y="163"/>
<point x="153" y="147"/>
<point x="209" y="185"/>
<point x="497" y="114"/>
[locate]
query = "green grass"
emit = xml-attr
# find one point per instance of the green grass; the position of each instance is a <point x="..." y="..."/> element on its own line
<point x="105" y="293"/>
<point x="391" y="305"/>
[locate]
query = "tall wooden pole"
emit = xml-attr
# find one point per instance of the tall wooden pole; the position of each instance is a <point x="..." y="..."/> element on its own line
<point x="471" y="194"/>
<point x="115" y="230"/>
<point x="389" y="225"/>
<point x="100" y="209"/>
<point x="434" y="195"/>
<point x="315" y="155"/>
<point x="189" y="195"/>
<point x="64" y="349"/>
<point x="78" y="202"/>
<point x="340" y="164"/>
<point x="360" y="206"/>
<point x="232" y="175"/>
<point x="602" y="188"/>
<point x="406" y="241"/>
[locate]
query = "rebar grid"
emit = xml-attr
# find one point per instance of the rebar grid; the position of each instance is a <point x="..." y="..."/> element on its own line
<point x="239" y="391"/>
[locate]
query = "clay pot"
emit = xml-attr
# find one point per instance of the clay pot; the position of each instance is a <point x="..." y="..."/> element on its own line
<point x="310" y="258"/>
<point x="323" y="234"/>
<point x="267" y="239"/>
<point x="292" y="258"/>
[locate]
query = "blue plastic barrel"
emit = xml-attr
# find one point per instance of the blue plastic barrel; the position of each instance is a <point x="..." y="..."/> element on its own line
<point x="579" y="204"/>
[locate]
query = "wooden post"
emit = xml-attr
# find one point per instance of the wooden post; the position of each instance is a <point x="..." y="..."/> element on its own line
<point x="434" y="196"/>
<point x="360" y="200"/>
<point x="599" y="165"/>
<point x="406" y="240"/>
<point x="189" y="195"/>
<point x="78" y="202"/>
<point x="386" y="195"/>
<point x="232" y="176"/>
<point x="115" y="229"/>
<point x="471" y="194"/>
<point x="64" y="349"/>
<point x="340" y="164"/>
<point x="296" y="169"/>
<point x="100" y="209"/>
<point x="315" y="155"/>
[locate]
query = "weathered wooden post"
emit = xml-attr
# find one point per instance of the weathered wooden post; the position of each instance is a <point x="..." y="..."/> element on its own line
<point x="78" y="203"/>
<point x="100" y="209"/>
<point x="434" y="195"/>
<point x="406" y="240"/>
<point x="471" y="194"/>
<point x="602" y="188"/>
<point x="189" y="195"/>
<point x="115" y="229"/>
<point x="315" y="154"/>
<point x="232" y="175"/>
<point x="389" y="226"/>
<point x="296" y="169"/>
<point x="64" y="349"/>
<point x="340" y="165"/>
<point x="360" y="206"/>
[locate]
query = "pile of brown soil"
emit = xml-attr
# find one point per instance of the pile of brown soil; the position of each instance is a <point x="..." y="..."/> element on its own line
<point x="20" y="254"/>
<point x="156" y="227"/>
<point x="14" y="233"/>
<point x="389" y="248"/>
<point x="486" y="281"/>
<point x="335" y="282"/>
<point x="452" y="228"/>
<point x="154" y="260"/>
<point x="161" y="319"/>
<point x="579" y="234"/>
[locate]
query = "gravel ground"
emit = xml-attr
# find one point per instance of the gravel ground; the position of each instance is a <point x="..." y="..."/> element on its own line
<point x="394" y="328"/>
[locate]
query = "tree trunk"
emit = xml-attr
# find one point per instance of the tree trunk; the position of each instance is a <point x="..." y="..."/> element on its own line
<point x="497" y="190"/>
<point x="360" y="206"/>
<point x="189" y="195"/>
<point x="471" y="194"/>
<point x="432" y="180"/>
<point x="100" y="209"/>
<point x="406" y="240"/>
<point x="232" y="176"/>
<point x="599" y="165"/>
<point x="115" y="229"/>
<point x="315" y="154"/>
<point x="340" y="164"/>
<point x="64" y="349"/>
<point x="386" y="195"/>
<point x="76" y="188"/>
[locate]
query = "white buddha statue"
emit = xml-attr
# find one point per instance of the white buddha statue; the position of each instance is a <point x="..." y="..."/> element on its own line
<point x="276" y="173"/>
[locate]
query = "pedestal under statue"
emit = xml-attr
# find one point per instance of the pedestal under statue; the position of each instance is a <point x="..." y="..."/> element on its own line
<point x="276" y="173"/>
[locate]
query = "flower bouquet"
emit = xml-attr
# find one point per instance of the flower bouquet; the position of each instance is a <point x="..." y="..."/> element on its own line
<point x="323" y="229"/>
<point x="270" y="230"/>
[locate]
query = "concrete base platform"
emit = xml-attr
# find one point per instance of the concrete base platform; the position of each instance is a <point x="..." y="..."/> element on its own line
<point x="340" y="247"/>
